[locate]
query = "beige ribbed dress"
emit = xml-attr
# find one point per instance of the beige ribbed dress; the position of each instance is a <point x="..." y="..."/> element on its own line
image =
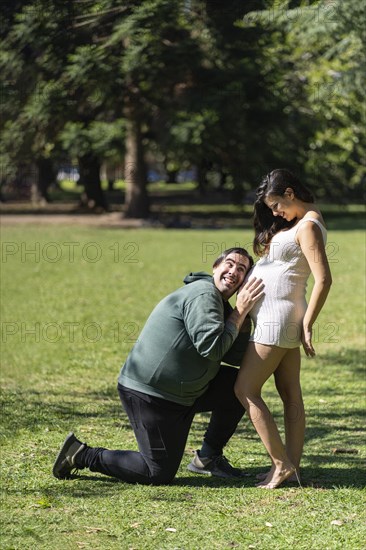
<point x="278" y="315"/>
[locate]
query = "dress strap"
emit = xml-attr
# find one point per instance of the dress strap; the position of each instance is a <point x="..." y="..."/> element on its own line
<point x="317" y="222"/>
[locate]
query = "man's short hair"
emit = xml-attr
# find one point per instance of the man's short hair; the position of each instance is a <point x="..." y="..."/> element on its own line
<point x="235" y="250"/>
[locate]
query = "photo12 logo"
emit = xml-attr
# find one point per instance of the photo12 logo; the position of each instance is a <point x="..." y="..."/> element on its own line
<point x="70" y="251"/>
<point x="68" y="332"/>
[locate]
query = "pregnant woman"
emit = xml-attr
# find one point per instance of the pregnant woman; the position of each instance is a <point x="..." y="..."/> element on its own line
<point x="290" y="237"/>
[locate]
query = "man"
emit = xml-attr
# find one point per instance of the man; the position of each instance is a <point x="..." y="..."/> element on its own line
<point x="173" y="372"/>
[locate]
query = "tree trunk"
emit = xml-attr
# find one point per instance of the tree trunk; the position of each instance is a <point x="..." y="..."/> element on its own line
<point x="45" y="177"/>
<point x="89" y="168"/>
<point x="202" y="178"/>
<point x="171" y="176"/>
<point x="137" y="200"/>
<point x="223" y="178"/>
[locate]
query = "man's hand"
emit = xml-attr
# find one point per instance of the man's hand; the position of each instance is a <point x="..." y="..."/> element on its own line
<point x="248" y="294"/>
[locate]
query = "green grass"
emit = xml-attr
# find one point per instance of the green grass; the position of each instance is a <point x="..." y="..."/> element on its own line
<point x="73" y="301"/>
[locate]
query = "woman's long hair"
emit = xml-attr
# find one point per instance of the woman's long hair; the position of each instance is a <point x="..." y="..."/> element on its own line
<point x="265" y="223"/>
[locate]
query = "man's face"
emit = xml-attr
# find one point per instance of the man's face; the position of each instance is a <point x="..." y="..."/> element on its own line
<point x="230" y="274"/>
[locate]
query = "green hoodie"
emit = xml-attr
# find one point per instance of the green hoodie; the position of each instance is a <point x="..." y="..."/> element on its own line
<point x="183" y="342"/>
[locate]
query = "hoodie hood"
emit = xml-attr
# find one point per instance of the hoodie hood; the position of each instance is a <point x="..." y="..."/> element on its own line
<point x="197" y="276"/>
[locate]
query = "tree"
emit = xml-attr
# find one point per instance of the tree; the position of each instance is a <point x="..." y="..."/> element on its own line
<point x="240" y="89"/>
<point x="52" y="81"/>
<point x="228" y="108"/>
<point x="114" y="61"/>
<point x="158" y="55"/>
<point x="33" y="97"/>
<point x="321" y="85"/>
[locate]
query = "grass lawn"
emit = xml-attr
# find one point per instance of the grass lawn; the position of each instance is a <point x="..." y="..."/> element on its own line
<point x="74" y="300"/>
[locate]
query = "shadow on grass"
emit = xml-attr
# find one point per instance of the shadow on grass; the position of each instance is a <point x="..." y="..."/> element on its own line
<point x="326" y="472"/>
<point x="330" y="477"/>
<point x="331" y="425"/>
<point x="348" y="357"/>
<point x="32" y="410"/>
<point x="84" y="486"/>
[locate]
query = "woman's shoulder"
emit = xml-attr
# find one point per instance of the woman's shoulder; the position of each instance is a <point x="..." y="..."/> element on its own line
<point x="310" y="222"/>
<point x="314" y="216"/>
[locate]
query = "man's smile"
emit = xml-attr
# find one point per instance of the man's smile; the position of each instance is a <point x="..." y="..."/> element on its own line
<point x="229" y="280"/>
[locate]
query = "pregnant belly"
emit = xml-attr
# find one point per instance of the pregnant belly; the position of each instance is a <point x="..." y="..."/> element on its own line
<point x="280" y="283"/>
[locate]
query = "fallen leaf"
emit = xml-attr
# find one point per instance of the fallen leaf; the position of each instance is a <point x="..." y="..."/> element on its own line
<point x="336" y="522"/>
<point x="95" y="529"/>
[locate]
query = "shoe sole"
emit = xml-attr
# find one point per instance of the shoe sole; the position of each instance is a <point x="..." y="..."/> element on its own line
<point x="59" y="459"/>
<point x="194" y="469"/>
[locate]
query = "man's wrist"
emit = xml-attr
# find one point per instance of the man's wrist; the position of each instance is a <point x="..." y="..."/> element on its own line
<point x="246" y="324"/>
<point x="236" y="317"/>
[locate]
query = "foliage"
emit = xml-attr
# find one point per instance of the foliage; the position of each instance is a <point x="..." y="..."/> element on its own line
<point x="238" y="90"/>
<point x="101" y="137"/>
<point x="322" y="83"/>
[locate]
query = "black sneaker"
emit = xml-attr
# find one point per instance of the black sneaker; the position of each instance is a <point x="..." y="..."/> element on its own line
<point x="65" y="461"/>
<point x="214" y="466"/>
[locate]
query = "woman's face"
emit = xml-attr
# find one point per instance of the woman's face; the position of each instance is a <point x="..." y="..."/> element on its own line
<point x="282" y="205"/>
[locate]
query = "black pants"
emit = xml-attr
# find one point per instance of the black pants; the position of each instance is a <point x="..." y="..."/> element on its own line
<point x="161" y="428"/>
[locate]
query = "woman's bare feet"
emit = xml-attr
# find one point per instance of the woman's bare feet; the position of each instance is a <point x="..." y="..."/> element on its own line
<point x="293" y="478"/>
<point x="262" y="476"/>
<point x="276" y="476"/>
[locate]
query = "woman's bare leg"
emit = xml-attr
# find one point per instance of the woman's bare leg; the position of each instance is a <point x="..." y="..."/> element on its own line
<point x="259" y="363"/>
<point x="287" y="378"/>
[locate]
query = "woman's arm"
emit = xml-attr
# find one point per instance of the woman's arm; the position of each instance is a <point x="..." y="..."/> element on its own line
<point x="311" y="241"/>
